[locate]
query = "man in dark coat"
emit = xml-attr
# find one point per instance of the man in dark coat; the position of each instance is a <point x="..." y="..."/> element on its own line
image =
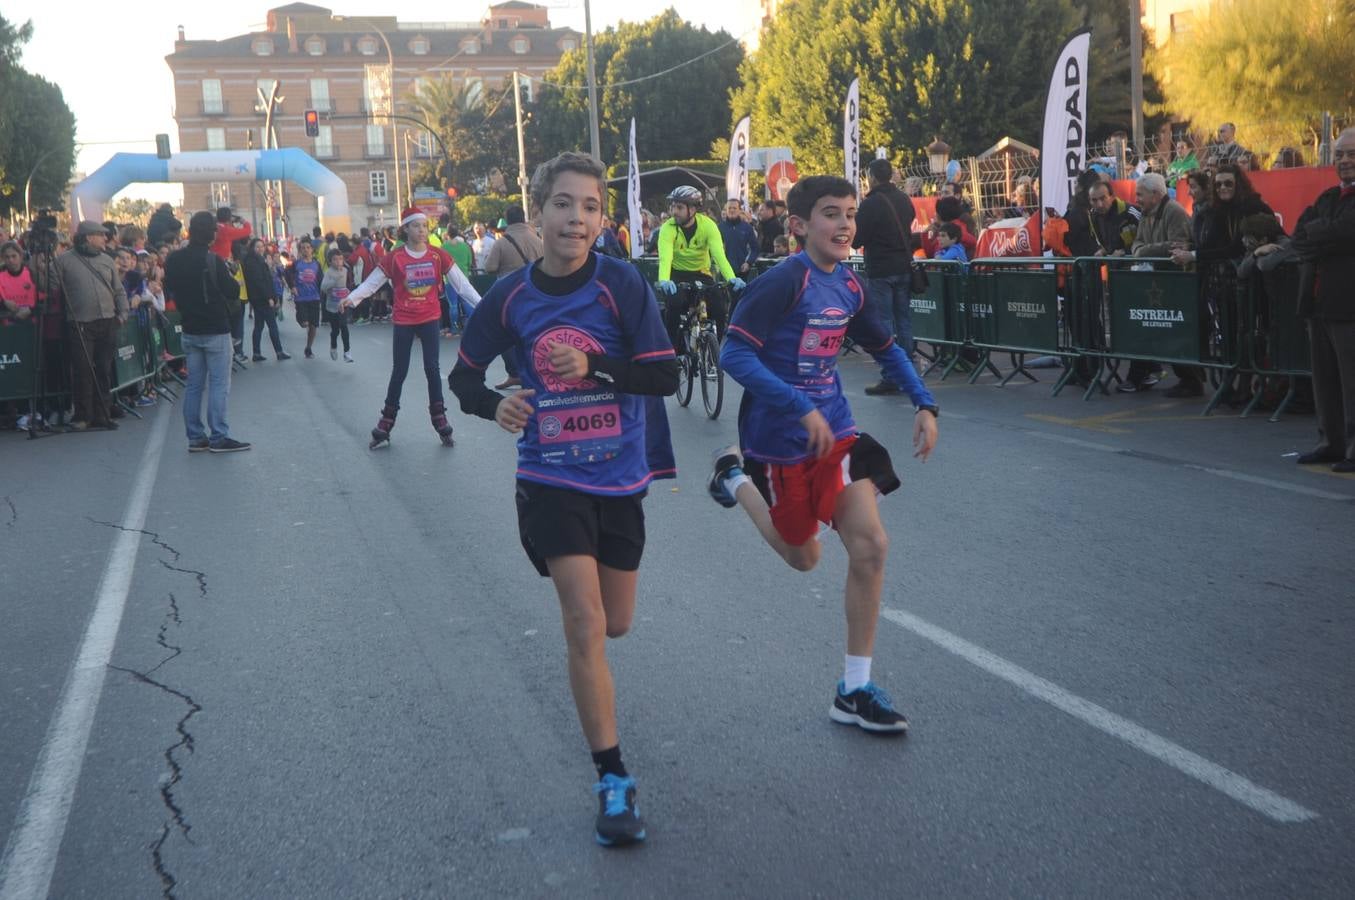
<point x="884" y="230"/>
<point x="1325" y="240"/>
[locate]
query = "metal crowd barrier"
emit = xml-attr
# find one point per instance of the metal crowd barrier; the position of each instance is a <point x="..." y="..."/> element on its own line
<point x="1096" y="313"/>
<point x="144" y="349"/>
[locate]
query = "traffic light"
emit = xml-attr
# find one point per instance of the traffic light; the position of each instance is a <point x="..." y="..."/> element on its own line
<point x="162" y="146"/>
<point x="452" y="192"/>
<point x="312" y="123"/>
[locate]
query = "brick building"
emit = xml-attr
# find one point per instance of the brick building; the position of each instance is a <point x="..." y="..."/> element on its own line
<point x="339" y="65"/>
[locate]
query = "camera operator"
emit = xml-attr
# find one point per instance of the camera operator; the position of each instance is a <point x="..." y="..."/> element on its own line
<point x="96" y="306"/>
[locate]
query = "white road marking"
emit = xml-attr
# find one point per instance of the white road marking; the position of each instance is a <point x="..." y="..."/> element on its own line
<point x="1246" y="792"/>
<point x="31" y="852"/>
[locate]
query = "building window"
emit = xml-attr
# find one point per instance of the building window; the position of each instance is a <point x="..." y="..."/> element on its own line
<point x="211" y="97"/>
<point x="567" y="44"/>
<point x="367" y="46"/>
<point x="470" y="47"/>
<point x="324" y="143"/>
<point x="521" y="45"/>
<point x="526" y="84"/>
<point x="216" y="139"/>
<point x="320" y="95"/>
<point x="315" y="46"/>
<point x="376" y="140"/>
<point x="221" y="194"/>
<point x="423" y="145"/>
<point x="262" y="47"/>
<point x="265" y="85"/>
<point x="1182" y="22"/>
<point x="376" y="186"/>
<point x="475" y="92"/>
<point x="419" y="46"/>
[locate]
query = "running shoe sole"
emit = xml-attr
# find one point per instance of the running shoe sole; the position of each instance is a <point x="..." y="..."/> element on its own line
<point x="620" y="842"/>
<point x="842" y="717"/>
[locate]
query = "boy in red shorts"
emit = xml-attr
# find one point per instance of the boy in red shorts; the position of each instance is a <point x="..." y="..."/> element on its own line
<point x="803" y="461"/>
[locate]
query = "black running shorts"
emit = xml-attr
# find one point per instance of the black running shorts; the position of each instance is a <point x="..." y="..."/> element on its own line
<point x="308" y="313"/>
<point x="559" y="522"/>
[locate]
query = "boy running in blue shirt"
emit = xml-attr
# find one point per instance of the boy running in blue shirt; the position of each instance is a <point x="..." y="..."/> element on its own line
<point x="596" y="364"/>
<point x="803" y="460"/>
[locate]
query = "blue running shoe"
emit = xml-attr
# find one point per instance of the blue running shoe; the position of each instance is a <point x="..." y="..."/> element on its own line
<point x="727" y="465"/>
<point x="619" y="821"/>
<point x="869" y="707"/>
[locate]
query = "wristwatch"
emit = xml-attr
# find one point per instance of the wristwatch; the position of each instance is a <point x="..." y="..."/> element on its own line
<point x="931" y="408"/>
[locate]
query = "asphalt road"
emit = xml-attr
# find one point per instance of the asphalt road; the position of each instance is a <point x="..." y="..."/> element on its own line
<point x="1121" y="632"/>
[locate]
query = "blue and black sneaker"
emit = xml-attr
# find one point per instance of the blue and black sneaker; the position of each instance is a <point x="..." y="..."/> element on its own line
<point x="868" y="706"/>
<point x="727" y="465"/>
<point x="619" y="821"/>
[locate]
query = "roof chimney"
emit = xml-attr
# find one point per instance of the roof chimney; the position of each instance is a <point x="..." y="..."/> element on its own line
<point x="291" y="34"/>
<point x="181" y="37"/>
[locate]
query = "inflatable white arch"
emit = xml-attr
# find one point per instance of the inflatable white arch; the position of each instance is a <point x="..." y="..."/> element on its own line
<point x="288" y="164"/>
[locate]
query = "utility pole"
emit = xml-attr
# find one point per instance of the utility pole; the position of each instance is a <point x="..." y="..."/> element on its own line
<point x="594" y="140"/>
<point x="1136" y="75"/>
<point x="522" y="145"/>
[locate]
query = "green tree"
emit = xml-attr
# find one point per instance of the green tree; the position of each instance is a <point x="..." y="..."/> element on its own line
<point x="130" y="211"/>
<point x="40" y="140"/>
<point x="12" y="40"/>
<point x="678" y="114"/>
<point x="477" y="126"/>
<point x="968" y="70"/>
<point x="1270" y="68"/>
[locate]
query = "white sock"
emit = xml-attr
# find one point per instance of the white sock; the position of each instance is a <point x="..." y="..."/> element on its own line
<point x="734" y="482"/>
<point x="856" y="673"/>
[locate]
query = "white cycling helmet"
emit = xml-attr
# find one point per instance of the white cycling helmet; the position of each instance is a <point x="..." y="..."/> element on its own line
<point x="685" y="194"/>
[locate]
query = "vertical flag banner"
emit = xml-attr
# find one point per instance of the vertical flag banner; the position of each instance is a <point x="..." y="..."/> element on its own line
<point x="851" y="134"/>
<point x="637" y="236"/>
<point x="1063" y="154"/>
<point x="736" y="173"/>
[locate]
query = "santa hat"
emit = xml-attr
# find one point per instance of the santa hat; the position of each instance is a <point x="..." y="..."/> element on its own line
<point x="413" y="214"/>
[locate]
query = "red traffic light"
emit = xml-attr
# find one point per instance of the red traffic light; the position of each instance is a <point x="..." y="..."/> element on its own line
<point x="312" y="123"/>
<point x="452" y="192"/>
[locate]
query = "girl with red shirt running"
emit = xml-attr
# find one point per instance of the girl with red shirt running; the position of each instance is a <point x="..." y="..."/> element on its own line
<point x="416" y="272"/>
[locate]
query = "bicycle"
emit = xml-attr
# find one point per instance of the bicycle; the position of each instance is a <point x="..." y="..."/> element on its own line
<point x="701" y="355"/>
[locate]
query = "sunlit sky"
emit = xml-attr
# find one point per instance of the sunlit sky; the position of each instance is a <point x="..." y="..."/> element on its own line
<point x="111" y="66"/>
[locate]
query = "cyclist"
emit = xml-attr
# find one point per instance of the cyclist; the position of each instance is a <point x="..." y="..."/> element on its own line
<point x="690" y="246"/>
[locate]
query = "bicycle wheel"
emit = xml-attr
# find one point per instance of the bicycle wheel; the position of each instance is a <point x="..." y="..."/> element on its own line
<point x="687" y="367"/>
<point x="712" y="376"/>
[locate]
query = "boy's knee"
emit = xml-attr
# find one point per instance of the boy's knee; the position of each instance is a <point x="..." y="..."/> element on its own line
<point x="617" y="629"/>
<point x="805" y="557"/>
<point x="870" y="548"/>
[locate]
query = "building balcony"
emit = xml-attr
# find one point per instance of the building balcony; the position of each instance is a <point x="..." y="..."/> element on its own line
<point x="378" y="199"/>
<point x="330" y="153"/>
<point x="370" y="152"/>
<point x="323" y="105"/>
<point x="213" y="108"/>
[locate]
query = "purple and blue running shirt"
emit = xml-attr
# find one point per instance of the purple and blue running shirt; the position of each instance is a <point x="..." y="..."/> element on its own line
<point x="584" y="435"/>
<point x="783" y="343"/>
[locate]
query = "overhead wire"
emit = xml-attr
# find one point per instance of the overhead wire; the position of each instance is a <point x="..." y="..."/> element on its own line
<point x="642" y="78"/>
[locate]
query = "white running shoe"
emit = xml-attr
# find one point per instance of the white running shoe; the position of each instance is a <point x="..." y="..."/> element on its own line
<point x="333" y="353"/>
<point x="347" y="357"/>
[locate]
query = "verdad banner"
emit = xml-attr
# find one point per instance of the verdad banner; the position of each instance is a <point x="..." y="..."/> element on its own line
<point x="636" y="229"/>
<point x="736" y="173"/>
<point x="1063" y="152"/>
<point x="851" y="135"/>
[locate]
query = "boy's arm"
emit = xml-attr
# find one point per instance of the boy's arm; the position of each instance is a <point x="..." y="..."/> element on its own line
<point x="865" y="329"/>
<point x="484" y="339"/>
<point x="740" y="360"/>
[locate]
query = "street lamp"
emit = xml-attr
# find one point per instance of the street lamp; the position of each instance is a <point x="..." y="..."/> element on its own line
<point x="938" y="155"/>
